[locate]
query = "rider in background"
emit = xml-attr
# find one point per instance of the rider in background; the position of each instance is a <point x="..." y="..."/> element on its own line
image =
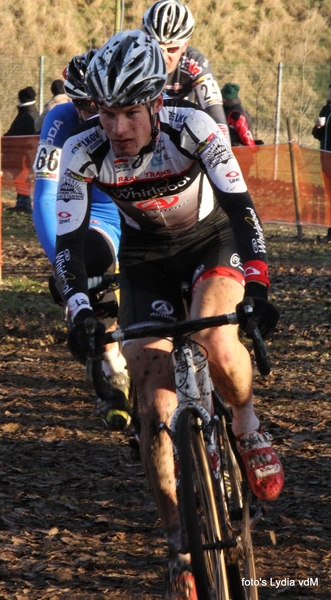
<point x="189" y="72"/>
<point x="187" y="216"/>
<point x="102" y="240"/>
<point x="239" y="122"/>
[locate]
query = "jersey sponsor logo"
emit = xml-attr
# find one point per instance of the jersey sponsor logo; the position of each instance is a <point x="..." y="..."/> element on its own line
<point x="157" y="204"/>
<point x="205" y="143"/>
<point x="53" y="131"/>
<point x="76" y="302"/>
<point x="61" y="271"/>
<point x="251" y="271"/>
<point x="148" y="175"/>
<point x="217" y="153"/>
<point x="233" y="176"/>
<point x="154" y="191"/>
<point x="162" y="308"/>
<point x="91" y="141"/>
<point x="69" y="190"/>
<point x="258" y="243"/>
<point x="191" y="67"/>
<point x="235" y="261"/>
<point x="64" y="217"/>
<point x="177" y="118"/>
<point x="121" y="164"/>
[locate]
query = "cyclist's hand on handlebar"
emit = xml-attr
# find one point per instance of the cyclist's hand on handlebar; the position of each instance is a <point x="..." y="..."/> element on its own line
<point x="262" y="313"/>
<point x="83" y="341"/>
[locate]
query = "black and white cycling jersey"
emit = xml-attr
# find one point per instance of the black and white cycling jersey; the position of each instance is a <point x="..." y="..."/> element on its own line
<point x="194" y="74"/>
<point x="188" y="185"/>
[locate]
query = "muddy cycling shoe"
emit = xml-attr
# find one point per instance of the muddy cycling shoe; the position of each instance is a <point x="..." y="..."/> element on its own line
<point x="180" y="584"/>
<point x="114" y="412"/>
<point x="264" y="471"/>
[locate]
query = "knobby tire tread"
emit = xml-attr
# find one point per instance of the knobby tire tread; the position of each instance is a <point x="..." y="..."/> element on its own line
<point x="245" y="567"/>
<point x="193" y="462"/>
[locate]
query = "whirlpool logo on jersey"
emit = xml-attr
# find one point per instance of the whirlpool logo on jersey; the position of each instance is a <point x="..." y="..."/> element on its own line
<point x="142" y="192"/>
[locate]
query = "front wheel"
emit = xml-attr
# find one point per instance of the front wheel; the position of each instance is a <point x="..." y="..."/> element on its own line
<point x="199" y="510"/>
<point x="240" y="565"/>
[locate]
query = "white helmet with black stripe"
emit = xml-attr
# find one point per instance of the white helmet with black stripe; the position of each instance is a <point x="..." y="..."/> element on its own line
<point x="169" y="21"/>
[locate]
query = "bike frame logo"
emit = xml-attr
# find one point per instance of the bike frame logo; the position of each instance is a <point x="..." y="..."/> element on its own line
<point x="158" y="203"/>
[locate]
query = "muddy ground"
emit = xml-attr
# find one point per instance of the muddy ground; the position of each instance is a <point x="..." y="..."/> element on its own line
<point x="77" y="520"/>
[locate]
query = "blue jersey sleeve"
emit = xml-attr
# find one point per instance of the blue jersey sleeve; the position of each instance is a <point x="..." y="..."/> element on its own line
<point x="57" y="126"/>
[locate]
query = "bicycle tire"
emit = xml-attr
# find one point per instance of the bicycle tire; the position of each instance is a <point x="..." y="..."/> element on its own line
<point x="198" y="508"/>
<point x="241" y="564"/>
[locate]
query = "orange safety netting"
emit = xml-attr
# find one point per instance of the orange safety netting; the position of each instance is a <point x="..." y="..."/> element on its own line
<point x="18" y="154"/>
<point x="271" y="178"/>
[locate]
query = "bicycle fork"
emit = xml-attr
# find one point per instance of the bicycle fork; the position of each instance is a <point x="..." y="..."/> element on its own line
<point x="194" y="390"/>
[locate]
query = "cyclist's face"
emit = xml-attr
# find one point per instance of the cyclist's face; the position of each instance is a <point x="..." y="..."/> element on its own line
<point x="128" y="128"/>
<point x="172" y="54"/>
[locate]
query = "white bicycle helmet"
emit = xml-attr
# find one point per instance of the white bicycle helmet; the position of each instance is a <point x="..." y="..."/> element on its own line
<point x="74" y="74"/>
<point x="129" y="69"/>
<point x="169" y="21"/>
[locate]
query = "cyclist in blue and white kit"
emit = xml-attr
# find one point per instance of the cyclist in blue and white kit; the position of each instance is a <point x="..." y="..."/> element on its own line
<point x="60" y="122"/>
<point x="189" y="72"/>
<point x="187" y="216"/>
<point x="102" y="240"/>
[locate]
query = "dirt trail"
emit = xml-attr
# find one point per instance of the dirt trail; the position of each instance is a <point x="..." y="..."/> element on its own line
<point x="77" y="519"/>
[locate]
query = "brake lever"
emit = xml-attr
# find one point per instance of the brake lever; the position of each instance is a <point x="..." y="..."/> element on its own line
<point x="260" y="351"/>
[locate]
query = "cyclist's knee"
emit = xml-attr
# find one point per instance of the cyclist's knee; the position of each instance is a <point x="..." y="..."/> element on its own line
<point x="224" y="348"/>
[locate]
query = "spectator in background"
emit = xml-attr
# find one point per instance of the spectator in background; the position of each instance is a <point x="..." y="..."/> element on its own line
<point x="239" y="122"/>
<point x="59" y="97"/>
<point x="322" y="132"/>
<point x="23" y="124"/>
<point x="190" y="76"/>
<point x="238" y="118"/>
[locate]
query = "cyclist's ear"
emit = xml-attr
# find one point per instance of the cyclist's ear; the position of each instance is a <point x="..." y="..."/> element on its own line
<point x="157" y="104"/>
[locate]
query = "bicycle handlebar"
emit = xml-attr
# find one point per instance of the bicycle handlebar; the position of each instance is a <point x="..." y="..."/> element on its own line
<point x="172" y="330"/>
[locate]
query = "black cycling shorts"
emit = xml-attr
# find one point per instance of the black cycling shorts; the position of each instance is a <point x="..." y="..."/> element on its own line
<point x="151" y="291"/>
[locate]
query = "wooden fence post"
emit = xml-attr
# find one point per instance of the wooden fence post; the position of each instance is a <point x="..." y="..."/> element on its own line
<point x="294" y="180"/>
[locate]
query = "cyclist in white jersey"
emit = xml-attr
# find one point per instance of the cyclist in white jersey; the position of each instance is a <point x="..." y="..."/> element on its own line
<point x="186" y="216"/>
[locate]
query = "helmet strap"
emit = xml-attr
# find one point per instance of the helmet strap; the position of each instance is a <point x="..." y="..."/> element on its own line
<point x="154" y="133"/>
